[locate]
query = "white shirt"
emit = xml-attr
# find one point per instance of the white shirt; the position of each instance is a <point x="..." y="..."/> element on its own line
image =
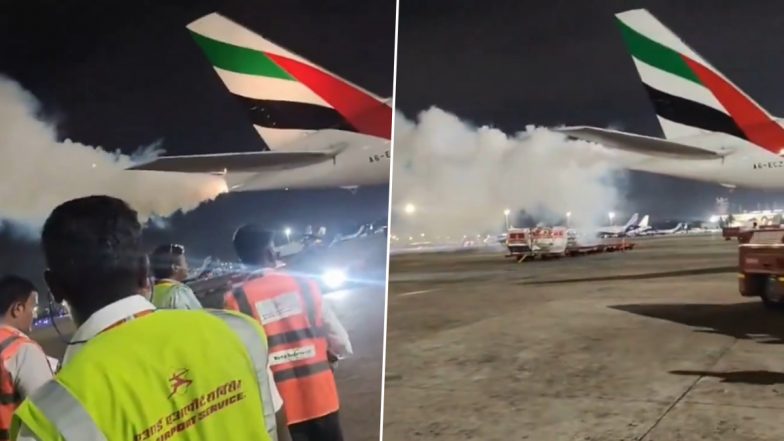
<point x="106" y="317"/>
<point x="338" y="342"/>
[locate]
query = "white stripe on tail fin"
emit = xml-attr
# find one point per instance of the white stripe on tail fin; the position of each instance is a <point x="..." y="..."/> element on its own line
<point x="286" y="96"/>
<point x="689" y="95"/>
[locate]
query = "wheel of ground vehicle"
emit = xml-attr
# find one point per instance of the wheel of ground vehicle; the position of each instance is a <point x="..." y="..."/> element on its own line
<point x="771" y="293"/>
<point x="754" y="285"/>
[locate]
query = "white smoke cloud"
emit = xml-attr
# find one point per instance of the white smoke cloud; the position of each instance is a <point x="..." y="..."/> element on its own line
<point x="158" y="223"/>
<point x="37" y="172"/>
<point x="461" y="178"/>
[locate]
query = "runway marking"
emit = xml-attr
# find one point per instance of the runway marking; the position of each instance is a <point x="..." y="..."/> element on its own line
<point x="413" y="293"/>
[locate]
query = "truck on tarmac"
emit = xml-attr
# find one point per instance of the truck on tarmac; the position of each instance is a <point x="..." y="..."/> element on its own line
<point x="761" y="265"/>
<point x="556" y="242"/>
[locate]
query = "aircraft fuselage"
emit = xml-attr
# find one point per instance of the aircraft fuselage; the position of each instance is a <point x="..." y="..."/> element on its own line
<point x="748" y="166"/>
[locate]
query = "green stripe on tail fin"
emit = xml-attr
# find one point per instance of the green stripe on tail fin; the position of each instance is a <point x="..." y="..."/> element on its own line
<point x="689" y="95"/>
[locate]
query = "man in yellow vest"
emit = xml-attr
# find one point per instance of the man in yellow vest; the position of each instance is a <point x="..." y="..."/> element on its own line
<point x="134" y="373"/>
<point x="170" y="269"/>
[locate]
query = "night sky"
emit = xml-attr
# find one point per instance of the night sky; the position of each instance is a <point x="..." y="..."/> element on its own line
<point x="122" y="74"/>
<point x="510" y="63"/>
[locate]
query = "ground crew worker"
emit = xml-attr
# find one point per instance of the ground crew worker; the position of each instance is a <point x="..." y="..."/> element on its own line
<point x="132" y="372"/>
<point x="170" y="269"/>
<point x="23" y="364"/>
<point x="301" y="331"/>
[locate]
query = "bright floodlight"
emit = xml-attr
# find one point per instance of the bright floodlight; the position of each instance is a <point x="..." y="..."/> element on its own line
<point x="507" y="211"/>
<point x="334" y="278"/>
<point x="714" y="219"/>
<point x="410" y="208"/>
<point x="611" y="215"/>
<point x="568" y="214"/>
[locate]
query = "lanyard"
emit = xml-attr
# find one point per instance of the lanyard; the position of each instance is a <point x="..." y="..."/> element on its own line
<point x="127" y="319"/>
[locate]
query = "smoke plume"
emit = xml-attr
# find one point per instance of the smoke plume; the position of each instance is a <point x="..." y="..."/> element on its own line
<point x="460" y="179"/>
<point x="38" y="172"/>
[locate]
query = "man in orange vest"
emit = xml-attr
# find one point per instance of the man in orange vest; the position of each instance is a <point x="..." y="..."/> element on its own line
<point x="24" y="367"/>
<point x="302" y="333"/>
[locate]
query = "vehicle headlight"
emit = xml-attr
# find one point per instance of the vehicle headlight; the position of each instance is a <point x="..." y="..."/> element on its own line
<point x="334" y="278"/>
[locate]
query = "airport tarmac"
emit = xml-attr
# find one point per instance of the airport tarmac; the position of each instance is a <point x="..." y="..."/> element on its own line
<point x="649" y="344"/>
<point x="361" y="310"/>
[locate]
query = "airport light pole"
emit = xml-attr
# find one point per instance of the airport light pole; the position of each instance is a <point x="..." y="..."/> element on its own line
<point x="568" y="218"/>
<point x="288" y="234"/>
<point x="612" y="217"/>
<point x="506" y="216"/>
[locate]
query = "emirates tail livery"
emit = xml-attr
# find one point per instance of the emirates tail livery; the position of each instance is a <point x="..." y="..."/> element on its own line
<point x="713" y="131"/>
<point x="320" y="130"/>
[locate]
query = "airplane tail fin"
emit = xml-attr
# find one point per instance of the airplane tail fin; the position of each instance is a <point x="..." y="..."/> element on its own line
<point x="689" y="95"/>
<point x="644" y="222"/>
<point x="286" y="96"/>
<point x="632" y="221"/>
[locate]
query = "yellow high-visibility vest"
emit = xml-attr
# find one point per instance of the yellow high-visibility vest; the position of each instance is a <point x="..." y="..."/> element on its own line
<point x="161" y="293"/>
<point x="193" y="375"/>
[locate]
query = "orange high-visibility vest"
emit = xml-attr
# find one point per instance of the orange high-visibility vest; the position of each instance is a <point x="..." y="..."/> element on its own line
<point x="290" y="311"/>
<point x="11" y="341"/>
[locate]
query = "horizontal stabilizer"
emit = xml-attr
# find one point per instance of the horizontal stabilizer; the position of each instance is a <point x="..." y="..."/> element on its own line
<point x="235" y="162"/>
<point x="645" y="145"/>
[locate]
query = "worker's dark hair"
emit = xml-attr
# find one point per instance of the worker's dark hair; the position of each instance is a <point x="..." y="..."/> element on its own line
<point x="93" y="247"/>
<point x="14" y="289"/>
<point x="250" y="243"/>
<point x="164" y="258"/>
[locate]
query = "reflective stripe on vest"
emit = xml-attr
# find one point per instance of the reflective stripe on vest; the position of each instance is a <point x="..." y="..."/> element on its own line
<point x="256" y="347"/>
<point x="65" y="413"/>
<point x="54" y="411"/>
<point x="8" y="394"/>
<point x="313" y="332"/>
<point x="290" y="312"/>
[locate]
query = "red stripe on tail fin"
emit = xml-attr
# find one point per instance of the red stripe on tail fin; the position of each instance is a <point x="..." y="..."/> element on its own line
<point x="365" y="113"/>
<point x="758" y="127"/>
